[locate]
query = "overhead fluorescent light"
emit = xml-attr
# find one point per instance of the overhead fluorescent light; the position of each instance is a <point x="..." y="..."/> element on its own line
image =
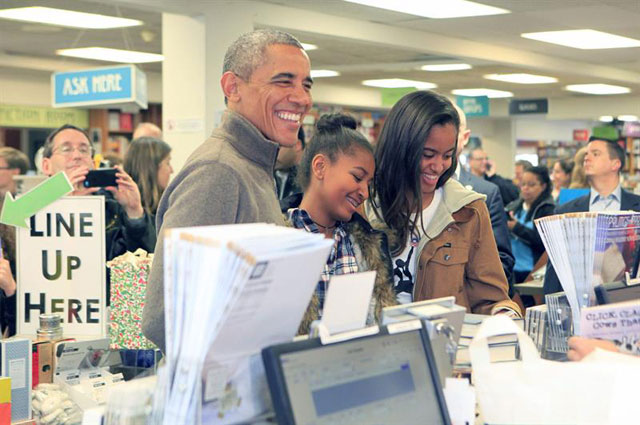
<point x="321" y="73"/>
<point x="111" y="55"/>
<point x="307" y="46"/>
<point x="585" y="39"/>
<point x="435" y="9"/>
<point x="598" y="89"/>
<point x="67" y="18"/>
<point x="606" y="118"/>
<point x="494" y="94"/>
<point x="446" y="67"/>
<point x="393" y="83"/>
<point x="631" y="118"/>
<point x="521" y="78"/>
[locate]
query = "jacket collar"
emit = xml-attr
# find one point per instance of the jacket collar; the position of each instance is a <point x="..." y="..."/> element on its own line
<point x="455" y="196"/>
<point x="629" y="201"/>
<point x="248" y="140"/>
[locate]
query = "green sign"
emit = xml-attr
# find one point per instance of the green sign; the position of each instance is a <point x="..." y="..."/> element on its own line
<point x="606" y="132"/>
<point x="16" y="212"/>
<point x="477" y="106"/>
<point x="391" y="96"/>
<point x="41" y="117"/>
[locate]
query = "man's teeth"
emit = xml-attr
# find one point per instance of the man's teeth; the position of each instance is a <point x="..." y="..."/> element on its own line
<point x="289" y="116"/>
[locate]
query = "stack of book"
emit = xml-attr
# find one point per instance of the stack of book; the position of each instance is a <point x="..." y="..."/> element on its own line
<point x="502" y="348"/>
<point x="229" y="292"/>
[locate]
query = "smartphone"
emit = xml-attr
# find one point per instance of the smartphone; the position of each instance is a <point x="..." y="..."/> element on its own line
<point x="100" y="178"/>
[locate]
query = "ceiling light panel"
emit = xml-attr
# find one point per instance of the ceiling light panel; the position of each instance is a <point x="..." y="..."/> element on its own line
<point x="521" y="78"/>
<point x="322" y="73"/>
<point x="606" y="118"/>
<point x="66" y="18"/>
<point x="393" y="83"/>
<point x="435" y="9"/>
<point x="598" y="89"/>
<point x="446" y="67"/>
<point x="627" y="118"/>
<point x="494" y="94"/>
<point x="585" y="39"/>
<point x="307" y="46"/>
<point x="111" y="55"/>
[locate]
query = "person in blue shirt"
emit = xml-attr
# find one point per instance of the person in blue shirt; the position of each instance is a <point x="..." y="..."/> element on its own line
<point x="535" y="201"/>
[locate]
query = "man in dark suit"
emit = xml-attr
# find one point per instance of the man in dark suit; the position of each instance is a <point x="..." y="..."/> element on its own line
<point x="494" y="203"/>
<point x="483" y="168"/>
<point x="602" y="165"/>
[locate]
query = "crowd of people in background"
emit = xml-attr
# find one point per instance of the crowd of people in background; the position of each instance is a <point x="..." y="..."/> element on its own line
<point x="402" y="206"/>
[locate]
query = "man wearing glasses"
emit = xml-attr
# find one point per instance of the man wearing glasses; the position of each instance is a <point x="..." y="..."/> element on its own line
<point x="127" y="226"/>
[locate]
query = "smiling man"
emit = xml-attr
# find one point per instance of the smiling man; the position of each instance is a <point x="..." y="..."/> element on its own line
<point x="229" y="178"/>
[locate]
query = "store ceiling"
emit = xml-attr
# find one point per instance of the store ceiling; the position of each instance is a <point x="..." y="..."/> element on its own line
<point x="28" y="45"/>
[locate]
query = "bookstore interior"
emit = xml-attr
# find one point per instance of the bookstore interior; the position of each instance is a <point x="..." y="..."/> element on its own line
<point x="512" y="298"/>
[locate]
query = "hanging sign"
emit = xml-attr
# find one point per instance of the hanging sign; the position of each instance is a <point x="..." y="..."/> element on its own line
<point x="528" y="106"/>
<point x="476" y="106"/>
<point x="61" y="267"/>
<point x="115" y="86"/>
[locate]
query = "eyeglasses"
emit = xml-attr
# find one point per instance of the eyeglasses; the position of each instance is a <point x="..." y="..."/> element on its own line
<point x="67" y="150"/>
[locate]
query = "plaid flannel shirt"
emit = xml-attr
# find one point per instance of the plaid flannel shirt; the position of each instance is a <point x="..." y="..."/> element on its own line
<point x="342" y="258"/>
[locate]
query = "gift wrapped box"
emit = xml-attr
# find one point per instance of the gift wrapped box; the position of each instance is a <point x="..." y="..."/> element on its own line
<point x="129" y="274"/>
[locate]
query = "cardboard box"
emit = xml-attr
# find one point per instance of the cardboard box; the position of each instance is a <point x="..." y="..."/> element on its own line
<point x="42" y="361"/>
<point x="15" y="359"/>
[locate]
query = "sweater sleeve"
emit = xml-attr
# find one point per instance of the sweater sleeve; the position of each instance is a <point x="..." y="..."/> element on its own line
<point x="488" y="288"/>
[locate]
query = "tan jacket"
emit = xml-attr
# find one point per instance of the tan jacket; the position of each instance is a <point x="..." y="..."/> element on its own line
<point x="458" y="256"/>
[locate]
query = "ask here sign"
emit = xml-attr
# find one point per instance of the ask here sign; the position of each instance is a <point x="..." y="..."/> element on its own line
<point x="61" y="267"/>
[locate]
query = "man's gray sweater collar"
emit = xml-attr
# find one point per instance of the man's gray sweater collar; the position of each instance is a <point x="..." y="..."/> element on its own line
<point x="248" y="140"/>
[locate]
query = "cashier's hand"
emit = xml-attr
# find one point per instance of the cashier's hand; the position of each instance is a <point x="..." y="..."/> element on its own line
<point x="127" y="194"/>
<point x="7" y="283"/>
<point x="77" y="177"/>
<point x="580" y="347"/>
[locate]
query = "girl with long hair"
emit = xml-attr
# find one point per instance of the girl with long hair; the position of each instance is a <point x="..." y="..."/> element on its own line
<point x="148" y="162"/>
<point x="439" y="232"/>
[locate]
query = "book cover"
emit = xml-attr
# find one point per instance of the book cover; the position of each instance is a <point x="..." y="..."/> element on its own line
<point x="617" y="242"/>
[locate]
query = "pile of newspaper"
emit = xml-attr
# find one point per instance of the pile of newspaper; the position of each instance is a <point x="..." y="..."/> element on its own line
<point x="588" y="249"/>
<point x="229" y="292"/>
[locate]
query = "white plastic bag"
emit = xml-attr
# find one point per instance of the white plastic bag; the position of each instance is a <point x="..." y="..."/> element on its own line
<point x="543" y="392"/>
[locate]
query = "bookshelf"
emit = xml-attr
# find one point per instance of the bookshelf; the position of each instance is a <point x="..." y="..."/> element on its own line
<point x="114" y="128"/>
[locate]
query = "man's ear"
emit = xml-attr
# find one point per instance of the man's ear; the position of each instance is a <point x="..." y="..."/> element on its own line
<point x="46" y="166"/>
<point x="617" y="165"/>
<point x="465" y="137"/>
<point x="319" y="165"/>
<point x="229" y="83"/>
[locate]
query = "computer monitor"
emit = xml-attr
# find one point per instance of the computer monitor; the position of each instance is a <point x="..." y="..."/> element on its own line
<point x="616" y="292"/>
<point x="379" y="379"/>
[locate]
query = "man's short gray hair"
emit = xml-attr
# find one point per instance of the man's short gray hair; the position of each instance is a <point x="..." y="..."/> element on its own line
<point x="247" y="52"/>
